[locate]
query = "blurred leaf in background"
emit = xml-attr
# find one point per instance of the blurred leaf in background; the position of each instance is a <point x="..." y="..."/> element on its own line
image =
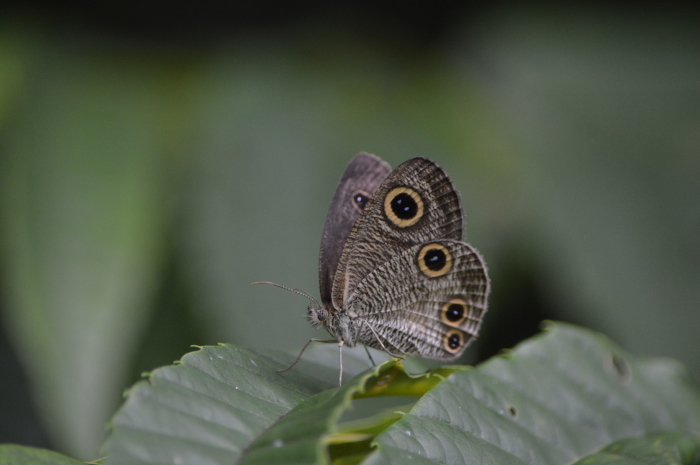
<point x="84" y="216"/>
<point x="150" y="171"/>
<point x="607" y="114"/>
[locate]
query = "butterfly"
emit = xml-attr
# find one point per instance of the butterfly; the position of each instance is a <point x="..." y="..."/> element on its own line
<point x="394" y="273"/>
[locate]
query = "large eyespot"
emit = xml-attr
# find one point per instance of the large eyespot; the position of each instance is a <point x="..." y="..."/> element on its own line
<point x="360" y="199"/>
<point x="454" y="312"/>
<point x="403" y="206"/>
<point x="434" y="260"/>
<point x="453" y="341"/>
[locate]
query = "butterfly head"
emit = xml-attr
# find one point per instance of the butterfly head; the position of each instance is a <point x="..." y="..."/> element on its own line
<point x="338" y="323"/>
<point x="317" y="316"/>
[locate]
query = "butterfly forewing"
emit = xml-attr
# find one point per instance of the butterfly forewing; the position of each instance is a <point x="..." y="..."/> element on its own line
<point x="431" y="311"/>
<point x="416" y="203"/>
<point x="360" y="180"/>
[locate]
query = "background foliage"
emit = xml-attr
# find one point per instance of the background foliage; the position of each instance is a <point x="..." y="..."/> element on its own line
<point x="154" y="161"/>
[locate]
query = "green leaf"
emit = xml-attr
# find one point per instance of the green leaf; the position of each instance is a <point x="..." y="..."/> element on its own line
<point x="11" y="454"/>
<point x="671" y="448"/>
<point x="315" y="428"/>
<point x="553" y="400"/>
<point x="212" y="405"/>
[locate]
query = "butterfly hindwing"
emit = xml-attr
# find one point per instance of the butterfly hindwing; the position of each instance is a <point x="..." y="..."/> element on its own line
<point x="360" y="180"/>
<point x="426" y="301"/>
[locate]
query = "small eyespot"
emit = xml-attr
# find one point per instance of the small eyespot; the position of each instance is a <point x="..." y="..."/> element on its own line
<point x="360" y="199"/>
<point x="453" y="341"/>
<point x="403" y="206"/>
<point x="454" y="312"/>
<point x="434" y="260"/>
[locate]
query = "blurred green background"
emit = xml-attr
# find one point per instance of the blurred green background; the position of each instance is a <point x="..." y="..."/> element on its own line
<point x="157" y="158"/>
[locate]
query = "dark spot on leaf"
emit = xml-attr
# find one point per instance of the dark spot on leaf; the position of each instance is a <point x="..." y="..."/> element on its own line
<point x="621" y="367"/>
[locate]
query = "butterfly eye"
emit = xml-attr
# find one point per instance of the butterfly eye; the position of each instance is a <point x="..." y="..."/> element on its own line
<point x="453" y="341"/>
<point x="434" y="260"/>
<point x="360" y="199"/>
<point x="454" y="312"/>
<point x="403" y="206"/>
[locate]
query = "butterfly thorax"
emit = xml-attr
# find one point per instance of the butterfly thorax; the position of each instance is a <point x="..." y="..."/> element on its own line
<point x="339" y="324"/>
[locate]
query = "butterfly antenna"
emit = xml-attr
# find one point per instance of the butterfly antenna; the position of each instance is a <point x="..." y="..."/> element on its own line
<point x="295" y="290"/>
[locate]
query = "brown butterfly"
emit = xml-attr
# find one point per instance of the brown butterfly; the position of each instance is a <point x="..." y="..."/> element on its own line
<point x="393" y="272"/>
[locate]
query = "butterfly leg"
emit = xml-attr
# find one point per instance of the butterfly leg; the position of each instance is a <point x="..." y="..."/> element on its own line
<point x="326" y="341"/>
<point x="340" y="356"/>
<point x="381" y="343"/>
<point x="369" y="355"/>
